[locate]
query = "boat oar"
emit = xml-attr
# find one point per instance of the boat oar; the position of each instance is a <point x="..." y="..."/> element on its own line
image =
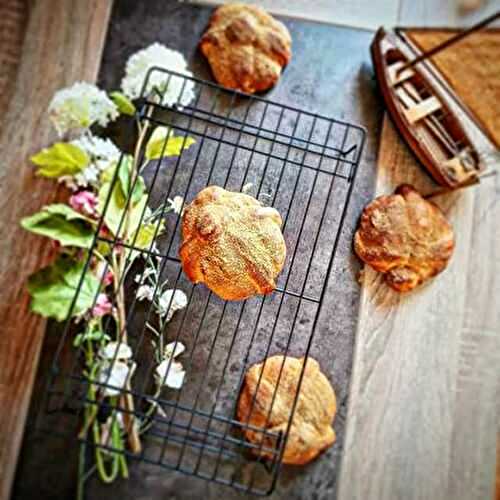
<point x="450" y="41"/>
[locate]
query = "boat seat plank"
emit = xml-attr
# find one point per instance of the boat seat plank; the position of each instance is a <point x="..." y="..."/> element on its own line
<point x="422" y="109"/>
<point x="395" y="76"/>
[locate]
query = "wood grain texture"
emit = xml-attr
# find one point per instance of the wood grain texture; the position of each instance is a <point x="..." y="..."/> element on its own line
<point x="50" y="58"/>
<point x="422" y="418"/>
<point x="13" y="19"/>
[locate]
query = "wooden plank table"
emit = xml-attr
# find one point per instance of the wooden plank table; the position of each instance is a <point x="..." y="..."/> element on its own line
<point x="425" y="388"/>
<point x="63" y="43"/>
<point x="422" y="417"/>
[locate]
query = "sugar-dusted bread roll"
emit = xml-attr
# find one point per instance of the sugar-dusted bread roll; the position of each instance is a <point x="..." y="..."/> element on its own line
<point x="246" y="47"/>
<point x="232" y="244"/>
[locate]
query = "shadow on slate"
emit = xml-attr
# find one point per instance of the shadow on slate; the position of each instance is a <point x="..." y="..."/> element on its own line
<point x="330" y="73"/>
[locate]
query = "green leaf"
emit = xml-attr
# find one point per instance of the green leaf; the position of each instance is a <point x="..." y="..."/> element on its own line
<point x="60" y="159"/>
<point x="116" y="209"/>
<point x="66" y="211"/>
<point x="156" y="147"/>
<point x="124" y="169"/>
<point x="60" y="222"/>
<point x="144" y="237"/>
<point x="146" y="233"/>
<point x="108" y="174"/>
<point x="124" y="176"/>
<point x="123" y="103"/>
<point x="53" y="288"/>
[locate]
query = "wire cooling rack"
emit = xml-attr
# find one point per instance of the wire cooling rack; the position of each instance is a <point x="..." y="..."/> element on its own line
<point x="301" y="163"/>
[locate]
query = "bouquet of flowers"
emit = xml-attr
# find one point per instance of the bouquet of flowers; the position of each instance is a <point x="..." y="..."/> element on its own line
<point x="107" y="196"/>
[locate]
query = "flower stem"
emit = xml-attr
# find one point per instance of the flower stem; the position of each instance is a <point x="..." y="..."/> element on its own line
<point x="101" y="468"/>
<point x="119" y="268"/>
<point x="126" y="399"/>
<point x="80" y="486"/>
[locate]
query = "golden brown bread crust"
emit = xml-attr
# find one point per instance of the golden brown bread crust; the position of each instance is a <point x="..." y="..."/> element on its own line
<point x="404" y="236"/>
<point x="246" y="47"/>
<point x="311" y="430"/>
<point x="232" y="244"/>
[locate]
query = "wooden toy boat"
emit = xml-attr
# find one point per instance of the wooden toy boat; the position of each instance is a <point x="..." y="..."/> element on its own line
<point x="430" y="128"/>
<point x="423" y="118"/>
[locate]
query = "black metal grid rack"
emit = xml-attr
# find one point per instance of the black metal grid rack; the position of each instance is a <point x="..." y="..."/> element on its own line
<point x="301" y="163"/>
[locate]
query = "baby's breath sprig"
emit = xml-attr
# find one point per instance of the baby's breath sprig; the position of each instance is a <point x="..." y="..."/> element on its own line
<point x="164" y="302"/>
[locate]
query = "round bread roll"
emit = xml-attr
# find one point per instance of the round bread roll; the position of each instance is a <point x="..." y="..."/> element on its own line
<point x="311" y="430"/>
<point x="232" y="244"/>
<point x="246" y="47"/>
<point x="404" y="236"/>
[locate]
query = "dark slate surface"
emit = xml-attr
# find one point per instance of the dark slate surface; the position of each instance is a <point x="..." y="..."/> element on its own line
<point x="330" y="73"/>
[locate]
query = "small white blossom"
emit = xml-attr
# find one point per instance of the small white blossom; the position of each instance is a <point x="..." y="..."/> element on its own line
<point x="80" y="106"/>
<point x="170" y="373"/>
<point x="116" y="375"/>
<point x="174" y="349"/>
<point x="115" y="350"/>
<point x="176" y="204"/>
<point x="145" y="292"/>
<point x="170" y="302"/>
<point x="175" y="90"/>
<point x="102" y="153"/>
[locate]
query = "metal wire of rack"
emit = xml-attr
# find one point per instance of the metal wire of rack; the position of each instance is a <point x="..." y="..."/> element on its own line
<point x="299" y="162"/>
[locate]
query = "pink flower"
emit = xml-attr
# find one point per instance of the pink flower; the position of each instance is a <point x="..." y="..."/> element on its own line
<point x="104" y="232"/>
<point x="103" y="272"/>
<point x="102" y="306"/>
<point x="84" y="202"/>
<point x="108" y="278"/>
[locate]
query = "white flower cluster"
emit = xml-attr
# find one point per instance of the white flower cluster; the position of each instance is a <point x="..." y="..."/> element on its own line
<point x="80" y="106"/>
<point x="169" y="372"/>
<point x="171" y="301"/>
<point x="102" y="153"/>
<point x="176" y="204"/>
<point x="173" y="89"/>
<point x="116" y="370"/>
<point x="167" y="304"/>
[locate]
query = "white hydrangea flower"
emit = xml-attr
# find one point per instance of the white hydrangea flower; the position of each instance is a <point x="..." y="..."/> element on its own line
<point x="102" y="153"/>
<point x="170" y="302"/>
<point x="176" y="204"/>
<point x="80" y="106"/>
<point x="177" y="90"/>
<point x="170" y="373"/>
<point x="116" y="375"/>
<point x="145" y="292"/>
<point x="115" y="350"/>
